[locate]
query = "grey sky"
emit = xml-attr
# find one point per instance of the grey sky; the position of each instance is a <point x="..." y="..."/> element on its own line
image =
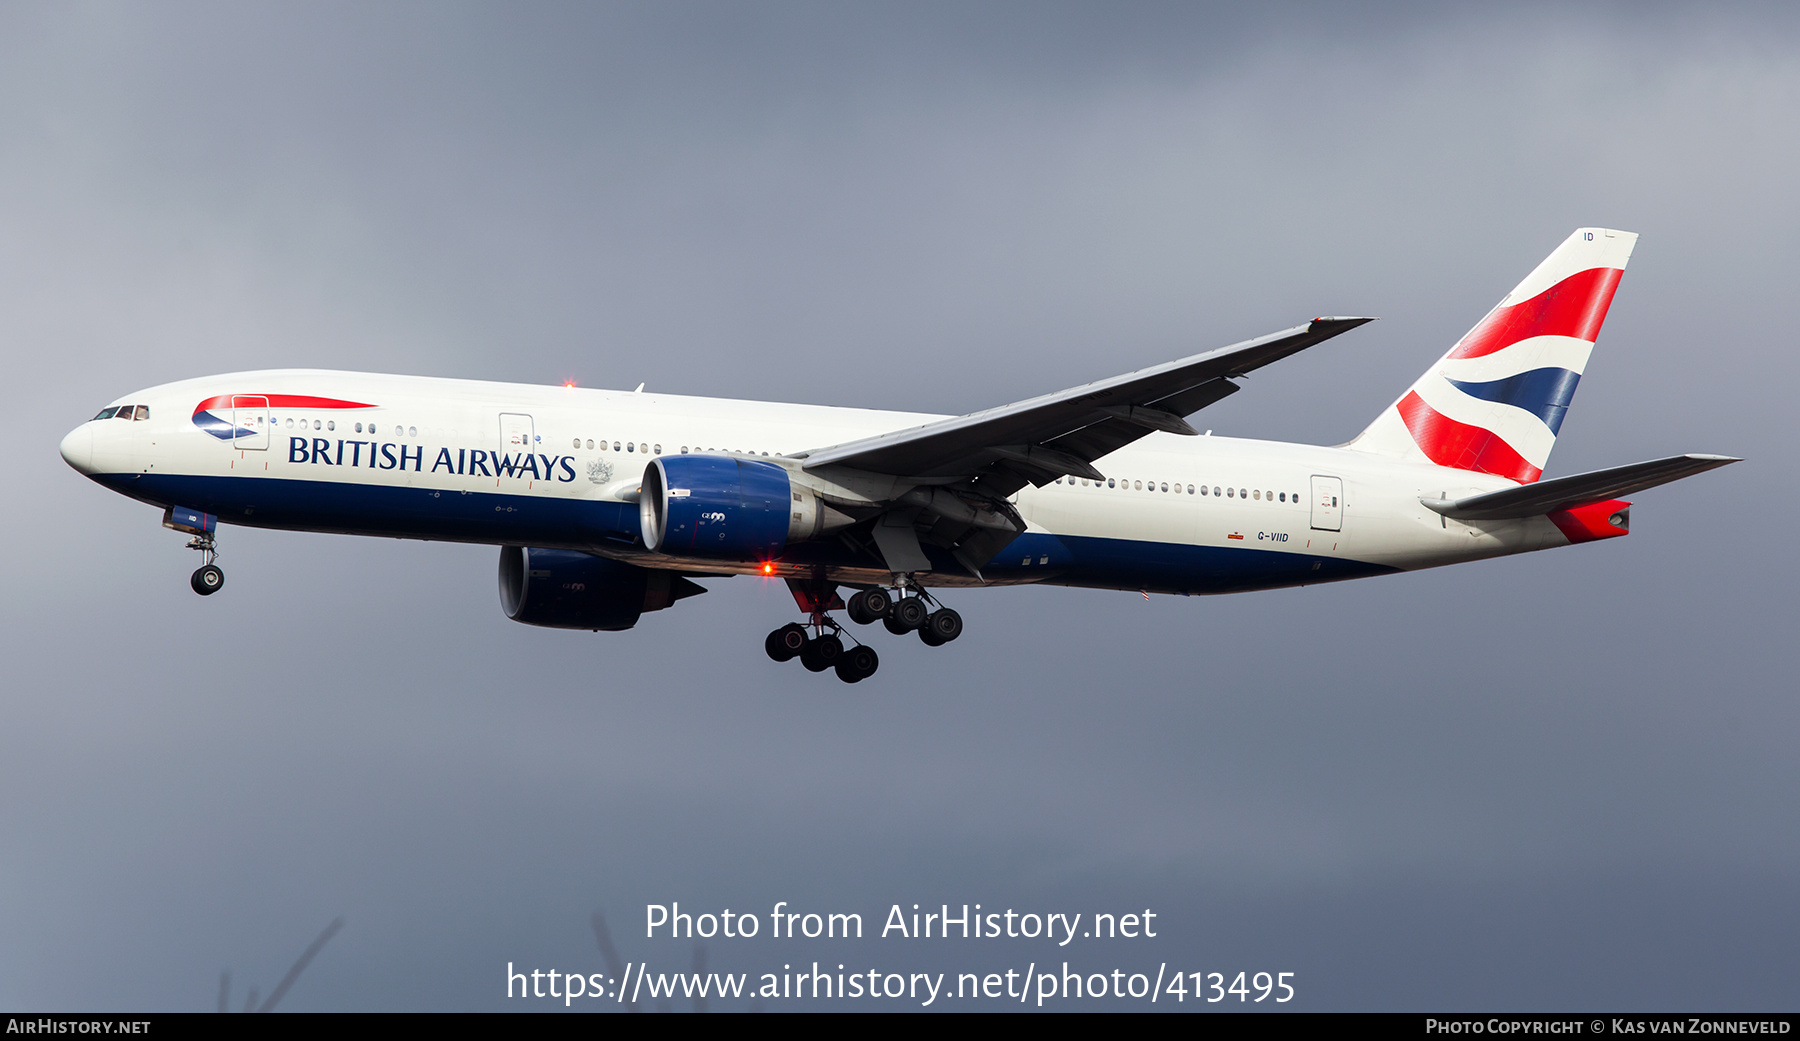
<point x="1556" y="781"/>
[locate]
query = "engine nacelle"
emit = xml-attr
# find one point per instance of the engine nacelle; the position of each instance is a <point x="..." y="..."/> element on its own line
<point x="562" y="589"/>
<point x="725" y="508"/>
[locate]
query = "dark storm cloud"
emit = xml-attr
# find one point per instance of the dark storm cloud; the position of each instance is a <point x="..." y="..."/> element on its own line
<point x="1555" y="780"/>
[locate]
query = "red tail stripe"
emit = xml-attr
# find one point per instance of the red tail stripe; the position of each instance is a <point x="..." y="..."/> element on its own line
<point x="1573" y="307"/>
<point x="1461" y="446"/>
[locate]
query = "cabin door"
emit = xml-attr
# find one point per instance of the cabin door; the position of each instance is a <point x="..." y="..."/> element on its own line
<point x="1327" y="503"/>
<point x="516" y="433"/>
<point x="249" y="422"/>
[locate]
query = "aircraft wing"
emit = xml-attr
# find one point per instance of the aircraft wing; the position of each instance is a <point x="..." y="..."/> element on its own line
<point x="1036" y="441"/>
<point x="1564" y="493"/>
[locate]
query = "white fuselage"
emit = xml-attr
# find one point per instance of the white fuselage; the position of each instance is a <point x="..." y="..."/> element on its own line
<point x="417" y="457"/>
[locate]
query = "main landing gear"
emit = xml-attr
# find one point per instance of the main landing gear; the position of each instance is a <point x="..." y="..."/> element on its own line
<point x="819" y="644"/>
<point x="208" y="579"/>
<point x="906" y="614"/>
<point x="824" y="651"/>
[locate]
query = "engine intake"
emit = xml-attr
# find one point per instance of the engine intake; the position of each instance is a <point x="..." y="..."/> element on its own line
<point x="725" y="508"/>
<point x="561" y="589"/>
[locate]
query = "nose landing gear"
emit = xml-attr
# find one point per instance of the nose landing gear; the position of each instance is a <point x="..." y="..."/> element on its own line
<point x="209" y="579"/>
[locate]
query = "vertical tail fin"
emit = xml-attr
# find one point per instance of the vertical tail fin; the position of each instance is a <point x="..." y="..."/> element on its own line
<point x="1494" y="404"/>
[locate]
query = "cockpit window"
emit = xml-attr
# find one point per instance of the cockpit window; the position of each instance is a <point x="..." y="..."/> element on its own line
<point x="124" y="413"/>
<point x="106" y="413"/>
<point x="142" y="412"/>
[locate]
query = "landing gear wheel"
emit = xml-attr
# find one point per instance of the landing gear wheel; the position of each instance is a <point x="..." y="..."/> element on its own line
<point x="944" y="625"/>
<point x="786" y="642"/>
<point x="822" y="653"/>
<point x="857" y="607"/>
<point x="911" y="613"/>
<point x="208" y="580"/>
<point x="858" y="664"/>
<point x="929" y="638"/>
<point x="893" y="626"/>
<point x="875" y="603"/>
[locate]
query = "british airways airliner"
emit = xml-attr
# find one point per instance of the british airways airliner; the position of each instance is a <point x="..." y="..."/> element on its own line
<point x="607" y="504"/>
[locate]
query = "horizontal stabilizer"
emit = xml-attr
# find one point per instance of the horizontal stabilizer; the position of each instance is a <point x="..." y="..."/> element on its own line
<point x="1564" y="493"/>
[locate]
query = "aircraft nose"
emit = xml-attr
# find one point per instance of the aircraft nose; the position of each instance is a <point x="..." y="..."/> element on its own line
<point x="78" y="448"/>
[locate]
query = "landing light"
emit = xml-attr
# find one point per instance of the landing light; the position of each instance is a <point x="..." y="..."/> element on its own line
<point x="768" y="569"/>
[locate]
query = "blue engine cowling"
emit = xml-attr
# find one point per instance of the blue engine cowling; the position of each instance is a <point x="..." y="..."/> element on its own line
<point x="715" y="506"/>
<point x="562" y="589"/>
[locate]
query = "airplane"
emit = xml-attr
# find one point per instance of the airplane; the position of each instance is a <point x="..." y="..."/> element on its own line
<point x="607" y="505"/>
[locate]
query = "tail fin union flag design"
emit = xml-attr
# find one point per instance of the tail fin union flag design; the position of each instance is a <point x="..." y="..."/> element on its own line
<point x="1496" y="402"/>
<point x="216" y="415"/>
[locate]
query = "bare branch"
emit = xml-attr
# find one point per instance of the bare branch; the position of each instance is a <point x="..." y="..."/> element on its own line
<point x="293" y="974"/>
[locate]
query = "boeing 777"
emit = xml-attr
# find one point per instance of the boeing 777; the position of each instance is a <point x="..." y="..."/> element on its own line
<point x="607" y="504"/>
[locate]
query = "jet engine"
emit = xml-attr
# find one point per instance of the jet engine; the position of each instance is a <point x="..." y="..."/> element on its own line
<point x="561" y="589"/>
<point x="726" y="508"/>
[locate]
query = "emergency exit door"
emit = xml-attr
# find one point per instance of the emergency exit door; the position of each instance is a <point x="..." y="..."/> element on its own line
<point x="1327" y="503"/>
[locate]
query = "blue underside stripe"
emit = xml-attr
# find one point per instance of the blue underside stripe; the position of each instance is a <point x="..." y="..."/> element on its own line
<point x="555" y="523"/>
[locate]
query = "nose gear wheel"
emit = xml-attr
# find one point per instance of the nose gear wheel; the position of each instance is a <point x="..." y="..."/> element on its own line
<point x="210" y="578"/>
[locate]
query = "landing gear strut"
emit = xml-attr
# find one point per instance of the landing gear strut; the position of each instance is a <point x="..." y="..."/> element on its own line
<point x="209" y="579"/>
<point x="200" y="524"/>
